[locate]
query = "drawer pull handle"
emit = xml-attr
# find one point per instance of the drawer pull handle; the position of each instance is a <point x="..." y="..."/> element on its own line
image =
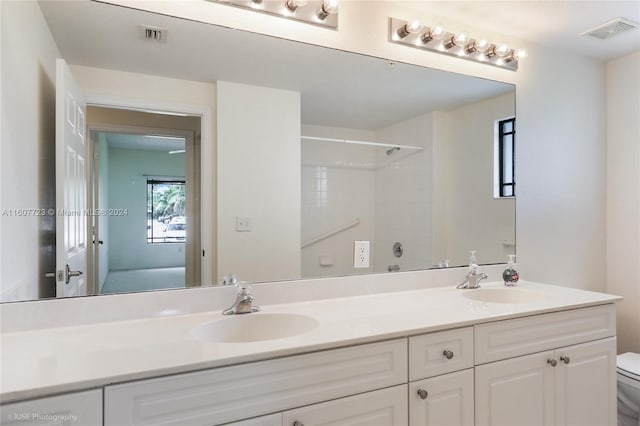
<point x="423" y="393"/>
<point x="552" y="362"/>
<point x="297" y="423"/>
<point x="448" y="354"/>
<point x="565" y="359"/>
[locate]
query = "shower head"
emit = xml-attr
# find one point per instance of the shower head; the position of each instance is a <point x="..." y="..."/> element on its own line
<point x="392" y="150"/>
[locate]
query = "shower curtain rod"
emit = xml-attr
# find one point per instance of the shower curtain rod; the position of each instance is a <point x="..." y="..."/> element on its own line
<point x="354" y="142"/>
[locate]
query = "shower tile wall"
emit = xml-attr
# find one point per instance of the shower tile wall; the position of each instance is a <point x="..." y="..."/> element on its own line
<point x="337" y="188"/>
<point x="403" y="196"/>
<point x="342" y="183"/>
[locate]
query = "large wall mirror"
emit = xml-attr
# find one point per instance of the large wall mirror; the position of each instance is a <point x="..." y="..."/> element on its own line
<point x="320" y="162"/>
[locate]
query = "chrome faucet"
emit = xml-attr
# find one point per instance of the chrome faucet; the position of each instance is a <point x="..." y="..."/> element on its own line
<point x="473" y="278"/>
<point x="244" y="301"/>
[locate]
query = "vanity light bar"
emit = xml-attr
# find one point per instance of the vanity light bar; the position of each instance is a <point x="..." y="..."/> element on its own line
<point x="436" y="39"/>
<point x="323" y="13"/>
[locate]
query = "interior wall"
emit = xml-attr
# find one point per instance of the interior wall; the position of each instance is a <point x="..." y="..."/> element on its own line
<point x="560" y="110"/>
<point x="623" y="195"/>
<point x="403" y="195"/>
<point x="470" y="217"/>
<point x="338" y="183"/>
<point x="258" y="133"/>
<point x="112" y="88"/>
<point x="561" y="170"/>
<point x="128" y="171"/>
<point x="27" y="156"/>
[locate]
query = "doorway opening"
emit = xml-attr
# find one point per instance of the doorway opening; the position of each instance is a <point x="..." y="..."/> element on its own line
<point x="145" y="200"/>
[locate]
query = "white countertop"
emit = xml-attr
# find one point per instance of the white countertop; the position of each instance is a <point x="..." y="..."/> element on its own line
<point x="42" y="362"/>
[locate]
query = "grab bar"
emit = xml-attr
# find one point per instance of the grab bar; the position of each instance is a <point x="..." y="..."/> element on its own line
<point x="326" y="235"/>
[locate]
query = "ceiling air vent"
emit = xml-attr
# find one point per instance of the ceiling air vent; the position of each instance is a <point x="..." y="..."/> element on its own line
<point x="156" y="34"/>
<point x="611" y="28"/>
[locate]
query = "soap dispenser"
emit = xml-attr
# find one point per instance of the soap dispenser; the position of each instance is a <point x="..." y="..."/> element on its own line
<point x="510" y="275"/>
<point x="473" y="260"/>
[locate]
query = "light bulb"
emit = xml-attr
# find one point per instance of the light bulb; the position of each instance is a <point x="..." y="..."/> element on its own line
<point x="499" y="50"/>
<point x="460" y="38"/>
<point x="456" y="40"/>
<point x="292" y="5"/>
<point x="433" y="33"/>
<point x="438" y="32"/>
<point x="521" y="54"/>
<point x="478" y="45"/>
<point x="329" y="7"/>
<point x="482" y="45"/>
<point x="515" y="55"/>
<point x="411" y="27"/>
<point x="502" y="50"/>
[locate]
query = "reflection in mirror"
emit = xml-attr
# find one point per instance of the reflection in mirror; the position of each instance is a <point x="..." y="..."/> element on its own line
<point x="326" y="162"/>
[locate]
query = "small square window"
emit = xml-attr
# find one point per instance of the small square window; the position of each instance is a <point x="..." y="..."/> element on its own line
<point x="166" y="205"/>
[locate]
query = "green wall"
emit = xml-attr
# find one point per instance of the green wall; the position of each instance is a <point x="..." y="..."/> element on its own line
<point x="128" y="171"/>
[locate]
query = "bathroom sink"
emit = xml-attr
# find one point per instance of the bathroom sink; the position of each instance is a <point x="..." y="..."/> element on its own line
<point x="504" y="295"/>
<point x="254" y="327"/>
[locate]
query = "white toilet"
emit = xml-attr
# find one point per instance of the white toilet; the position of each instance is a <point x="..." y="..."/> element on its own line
<point x="628" y="389"/>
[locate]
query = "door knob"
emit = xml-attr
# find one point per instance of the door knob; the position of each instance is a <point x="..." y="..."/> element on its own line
<point x="297" y="423"/>
<point x="71" y="273"/>
<point x="552" y="362"/>
<point x="447" y="354"/>
<point x="565" y="359"/>
<point x="423" y="393"/>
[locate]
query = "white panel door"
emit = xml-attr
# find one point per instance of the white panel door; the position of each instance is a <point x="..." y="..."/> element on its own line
<point x="386" y="407"/>
<point x="445" y="400"/>
<point x="71" y="186"/>
<point x="586" y="384"/>
<point x="516" y="392"/>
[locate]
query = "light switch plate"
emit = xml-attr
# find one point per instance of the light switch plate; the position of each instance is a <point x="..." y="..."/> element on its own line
<point x="243" y="224"/>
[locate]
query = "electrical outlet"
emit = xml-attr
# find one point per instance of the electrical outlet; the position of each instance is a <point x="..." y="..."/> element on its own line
<point x="361" y="252"/>
<point x="243" y="224"/>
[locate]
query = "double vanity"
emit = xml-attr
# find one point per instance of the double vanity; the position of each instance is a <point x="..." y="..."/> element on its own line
<point x="535" y="354"/>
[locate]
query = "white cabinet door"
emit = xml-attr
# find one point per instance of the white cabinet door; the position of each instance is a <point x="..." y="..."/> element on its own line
<point x="445" y="400"/>
<point x="580" y="390"/>
<point x="386" y="407"/>
<point x="516" y="392"/>
<point x="81" y="408"/>
<point x="585" y="391"/>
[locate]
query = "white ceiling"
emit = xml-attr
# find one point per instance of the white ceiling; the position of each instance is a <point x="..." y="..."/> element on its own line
<point x="546" y="22"/>
<point x="338" y="89"/>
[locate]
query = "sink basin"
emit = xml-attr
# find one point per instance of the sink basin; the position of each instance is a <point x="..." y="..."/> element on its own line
<point x="504" y="295"/>
<point x="254" y="327"/>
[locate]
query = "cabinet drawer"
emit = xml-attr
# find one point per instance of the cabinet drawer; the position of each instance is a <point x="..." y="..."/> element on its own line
<point x="242" y="391"/>
<point x="81" y="408"/>
<point x="440" y="353"/>
<point x="271" y="420"/>
<point x="386" y="407"/>
<point x="511" y="338"/>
